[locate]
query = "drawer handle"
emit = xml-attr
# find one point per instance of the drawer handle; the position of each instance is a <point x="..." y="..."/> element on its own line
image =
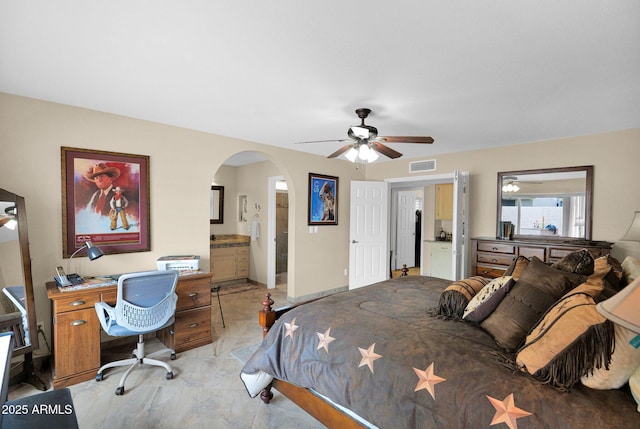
<point x="194" y="325"/>
<point x="78" y="302"/>
<point x="485" y="271"/>
<point x="193" y="294"/>
<point x="78" y="322"/>
<point x="494" y="260"/>
<point x="494" y="248"/>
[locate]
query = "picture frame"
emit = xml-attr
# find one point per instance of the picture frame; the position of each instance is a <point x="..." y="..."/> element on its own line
<point x="216" y="205"/>
<point x="119" y="222"/>
<point x="323" y="199"/>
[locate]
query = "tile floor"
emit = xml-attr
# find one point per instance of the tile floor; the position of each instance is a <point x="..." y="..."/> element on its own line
<point x="205" y="392"/>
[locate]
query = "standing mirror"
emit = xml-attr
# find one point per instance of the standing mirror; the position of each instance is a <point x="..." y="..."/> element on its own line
<point x="546" y="204"/>
<point x="17" y="308"/>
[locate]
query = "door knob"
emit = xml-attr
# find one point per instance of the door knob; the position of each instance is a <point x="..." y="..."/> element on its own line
<point x="354" y="241"/>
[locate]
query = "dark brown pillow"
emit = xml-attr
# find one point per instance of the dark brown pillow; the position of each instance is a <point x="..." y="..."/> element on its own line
<point x="539" y="287"/>
<point x="579" y="262"/>
<point x="614" y="279"/>
<point x="456" y="296"/>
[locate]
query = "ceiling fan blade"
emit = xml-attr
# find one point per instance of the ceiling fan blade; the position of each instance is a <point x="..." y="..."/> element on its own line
<point x="324" y="141"/>
<point x="398" y="139"/>
<point x="385" y="150"/>
<point x="340" y="151"/>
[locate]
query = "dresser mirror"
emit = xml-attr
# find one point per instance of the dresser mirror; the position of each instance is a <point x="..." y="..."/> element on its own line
<point x="546" y="204"/>
<point x="17" y="308"/>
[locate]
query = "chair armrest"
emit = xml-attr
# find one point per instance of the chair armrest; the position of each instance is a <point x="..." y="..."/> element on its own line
<point x="104" y="310"/>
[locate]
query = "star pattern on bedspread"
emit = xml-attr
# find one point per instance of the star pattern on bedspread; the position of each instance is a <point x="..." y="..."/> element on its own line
<point x="290" y="328"/>
<point x="325" y="339"/>
<point x="368" y="357"/>
<point x="506" y="411"/>
<point x="427" y="380"/>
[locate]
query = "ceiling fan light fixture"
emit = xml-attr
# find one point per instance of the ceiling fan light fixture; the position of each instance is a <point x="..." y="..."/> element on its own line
<point x="363" y="152"/>
<point x="360" y="132"/>
<point x="373" y="155"/>
<point x="510" y="187"/>
<point x="352" y="154"/>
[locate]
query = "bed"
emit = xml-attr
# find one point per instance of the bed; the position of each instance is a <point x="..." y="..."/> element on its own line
<point x="379" y="356"/>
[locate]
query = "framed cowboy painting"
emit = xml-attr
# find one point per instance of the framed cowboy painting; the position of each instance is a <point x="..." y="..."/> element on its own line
<point x="105" y="199"/>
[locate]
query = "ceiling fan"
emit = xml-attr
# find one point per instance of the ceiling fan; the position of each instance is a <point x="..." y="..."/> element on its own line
<point x="365" y="144"/>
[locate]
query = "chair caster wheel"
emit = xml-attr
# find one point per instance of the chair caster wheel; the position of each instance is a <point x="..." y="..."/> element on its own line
<point x="120" y="390"/>
<point x="169" y="376"/>
<point x="173" y="356"/>
<point x="99" y="377"/>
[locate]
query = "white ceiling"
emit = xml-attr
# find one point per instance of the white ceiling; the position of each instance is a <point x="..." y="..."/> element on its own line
<point x="469" y="73"/>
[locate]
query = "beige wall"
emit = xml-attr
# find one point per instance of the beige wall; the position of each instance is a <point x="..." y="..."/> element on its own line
<point x="183" y="164"/>
<point x="614" y="156"/>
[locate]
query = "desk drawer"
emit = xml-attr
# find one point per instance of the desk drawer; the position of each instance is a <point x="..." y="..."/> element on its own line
<point x="193" y="293"/>
<point x="74" y="303"/>
<point x="192" y="325"/>
<point x="497" y="247"/>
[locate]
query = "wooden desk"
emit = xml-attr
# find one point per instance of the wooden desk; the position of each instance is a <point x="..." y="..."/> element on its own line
<point x="76" y="328"/>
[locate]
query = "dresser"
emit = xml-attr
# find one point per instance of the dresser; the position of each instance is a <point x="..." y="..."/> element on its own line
<point x="491" y="257"/>
<point x="77" y="330"/>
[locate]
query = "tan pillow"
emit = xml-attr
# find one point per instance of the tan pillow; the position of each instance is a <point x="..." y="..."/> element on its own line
<point x="631" y="267"/>
<point x="624" y="361"/>
<point x="569" y="342"/>
<point x="517" y="267"/>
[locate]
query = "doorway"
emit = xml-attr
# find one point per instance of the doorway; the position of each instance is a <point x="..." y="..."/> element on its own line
<point x="282" y="234"/>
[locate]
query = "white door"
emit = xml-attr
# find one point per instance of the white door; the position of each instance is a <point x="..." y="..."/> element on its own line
<point x="406" y="229"/>
<point x="460" y="235"/>
<point x="368" y="230"/>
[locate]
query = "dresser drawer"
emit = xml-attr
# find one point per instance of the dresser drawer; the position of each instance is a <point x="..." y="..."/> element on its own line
<point x="497" y="247"/>
<point x="192" y="325"/>
<point x="489" y="271"/>
<point x="193" y="293"/>
<point x="531" y="251"/>
<point x="495" y="258"/>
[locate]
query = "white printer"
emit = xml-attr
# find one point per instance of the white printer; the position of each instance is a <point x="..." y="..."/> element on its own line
<point x="179" y="263"/>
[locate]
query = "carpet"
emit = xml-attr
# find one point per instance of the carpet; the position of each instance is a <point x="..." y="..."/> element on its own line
<point x="243" y="354"/>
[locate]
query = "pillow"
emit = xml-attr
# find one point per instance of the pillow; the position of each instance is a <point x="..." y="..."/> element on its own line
<point x="517" y="266"/>
<point x="579" y="262"/>
<point x="487" y="299"/>
<point x="539" y="287"/>
<point x="456" y="296"/>
<point x="624" y="361"/>
<point x="614" y="280"/>
<point x="570" y="341"/>
<point x="631" y="267"/>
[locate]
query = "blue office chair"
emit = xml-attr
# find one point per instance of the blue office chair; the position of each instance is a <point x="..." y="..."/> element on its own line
<point x="146" y="303"/>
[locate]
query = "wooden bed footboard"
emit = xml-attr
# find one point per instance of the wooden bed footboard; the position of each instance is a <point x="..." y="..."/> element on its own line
<point x="321" y="410"/>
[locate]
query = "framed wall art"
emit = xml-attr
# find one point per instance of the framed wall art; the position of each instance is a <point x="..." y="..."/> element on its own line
<point x="105" y="199"/>
<point x="323" y="200"/>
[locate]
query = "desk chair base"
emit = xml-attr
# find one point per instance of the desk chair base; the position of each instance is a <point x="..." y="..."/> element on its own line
<point x="138" y="359"/>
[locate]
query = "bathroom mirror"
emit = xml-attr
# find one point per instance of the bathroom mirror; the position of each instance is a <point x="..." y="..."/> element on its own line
<point x="17" y="308"/>
<point x="217" y="204"/>
<point x="545" y="204"/>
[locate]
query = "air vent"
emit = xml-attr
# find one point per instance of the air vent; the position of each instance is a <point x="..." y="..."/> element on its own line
<point x="422" y="166"/>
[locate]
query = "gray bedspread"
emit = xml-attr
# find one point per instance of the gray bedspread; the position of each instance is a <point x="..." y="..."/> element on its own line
<point x="377" y="352"/>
